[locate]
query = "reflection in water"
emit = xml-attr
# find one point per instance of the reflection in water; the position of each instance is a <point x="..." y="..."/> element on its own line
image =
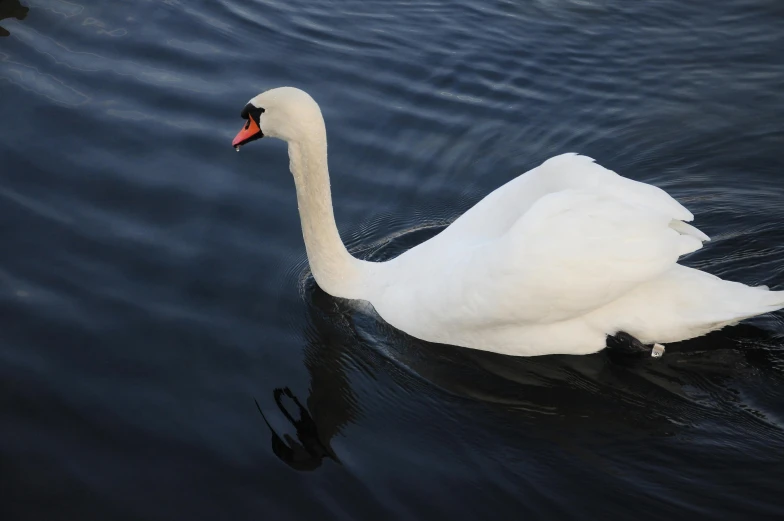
<point x="11" y="9"/>
<point x="307" y="453"/>
<point x="565" y="400"/>
<point x="331" y="403"/>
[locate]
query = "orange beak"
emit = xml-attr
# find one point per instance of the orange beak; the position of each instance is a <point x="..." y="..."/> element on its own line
<point x="248" y="133"/>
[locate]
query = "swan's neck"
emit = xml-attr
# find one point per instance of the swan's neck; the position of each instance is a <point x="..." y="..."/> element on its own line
<point x="336" y="271"/>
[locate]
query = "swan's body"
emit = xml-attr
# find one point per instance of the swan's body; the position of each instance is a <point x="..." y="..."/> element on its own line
<point x="551" y="262"/>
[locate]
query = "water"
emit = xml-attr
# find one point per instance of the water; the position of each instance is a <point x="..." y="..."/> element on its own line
<point x="155" y="295"/>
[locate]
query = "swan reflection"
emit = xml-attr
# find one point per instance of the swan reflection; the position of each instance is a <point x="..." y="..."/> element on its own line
<point x="331" y="403"/>
<point x="561" y="399"/>
<point x="308" y="450"/>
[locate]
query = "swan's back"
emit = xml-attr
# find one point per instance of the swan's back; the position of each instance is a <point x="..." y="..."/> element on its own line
<point x="533" y="267"/>
<point x="495" y="214"/>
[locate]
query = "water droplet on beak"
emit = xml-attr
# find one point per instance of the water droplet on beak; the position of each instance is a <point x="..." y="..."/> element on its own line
<point x="237" y="148"/>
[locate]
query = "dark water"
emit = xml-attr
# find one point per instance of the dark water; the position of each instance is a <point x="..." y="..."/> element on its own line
<point x="153" y="284"/>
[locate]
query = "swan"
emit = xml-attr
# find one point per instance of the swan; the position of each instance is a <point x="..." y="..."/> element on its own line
<point x="552" y="262"/>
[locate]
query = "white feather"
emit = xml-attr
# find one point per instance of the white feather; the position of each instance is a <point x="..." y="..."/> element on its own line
<point x="551" y="262"/>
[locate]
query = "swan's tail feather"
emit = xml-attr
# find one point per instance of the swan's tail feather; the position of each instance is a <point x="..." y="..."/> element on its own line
<point x="773" y="299"/>
<point x="685" y="303"/>
<point x="753" y="302"/>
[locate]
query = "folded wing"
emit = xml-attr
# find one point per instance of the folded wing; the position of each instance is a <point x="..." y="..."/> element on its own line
<point x="572" y="252"/>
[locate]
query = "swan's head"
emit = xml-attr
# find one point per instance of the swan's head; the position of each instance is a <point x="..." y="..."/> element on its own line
<point x="285" y="113"/>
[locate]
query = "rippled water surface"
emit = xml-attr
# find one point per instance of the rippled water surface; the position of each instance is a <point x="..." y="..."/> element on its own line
<point x="165" y="355"/>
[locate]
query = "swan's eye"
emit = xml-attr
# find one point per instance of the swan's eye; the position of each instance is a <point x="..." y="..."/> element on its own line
<point x="252" y="112"/>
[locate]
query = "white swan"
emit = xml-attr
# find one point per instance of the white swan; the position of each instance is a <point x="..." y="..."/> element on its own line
<point x="552" y="262"/>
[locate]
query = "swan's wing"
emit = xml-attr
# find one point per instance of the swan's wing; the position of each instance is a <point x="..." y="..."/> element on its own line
<point x="572" y="252"/>
<point x="494" y="215"/>
<point x="557" y="242"/>
<point x="573" y="171"/>
<point x="579" y="250"/>
<point x="575" y="251"/>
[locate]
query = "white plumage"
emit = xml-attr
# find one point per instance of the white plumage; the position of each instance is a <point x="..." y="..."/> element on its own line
<point x="551" y="262"/>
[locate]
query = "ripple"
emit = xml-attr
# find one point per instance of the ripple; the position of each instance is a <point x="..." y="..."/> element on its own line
<point x="93" y="62"/>
<point x="33" y="80"/>
<point x="155" y="282"/>
<point x="60" y="7"/>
